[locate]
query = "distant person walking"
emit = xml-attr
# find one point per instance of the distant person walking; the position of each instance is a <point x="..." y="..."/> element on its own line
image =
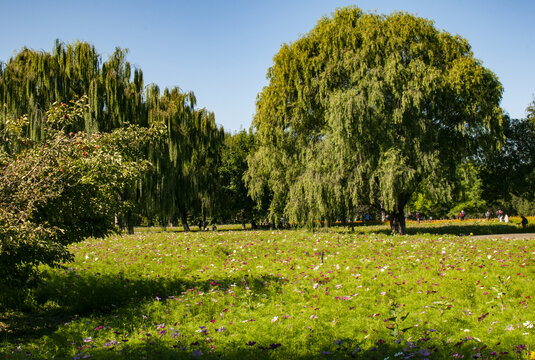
<point x="487" y="215"/>
<point x="461" y="215"/>
<point x="523" y="221"/>
<point x="418" y="217"/>
<point x="499" y="213"/>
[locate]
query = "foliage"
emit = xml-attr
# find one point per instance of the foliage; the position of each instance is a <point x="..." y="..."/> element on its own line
<point x="267" y="295"/>
<point x="186" y="160"/>
<point x="508" y="173"/>
<point x="466" y="194"/>
<point x="60" y="189"/>
<point x="32" y="80"/>
<point x="237" y="202"/>
<point x="366" y="109"/>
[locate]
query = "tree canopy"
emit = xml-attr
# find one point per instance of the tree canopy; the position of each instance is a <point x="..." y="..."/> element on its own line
<point x="61" y="189"/>
<point x="185" y="160"/>
<point x="366" y="109"/>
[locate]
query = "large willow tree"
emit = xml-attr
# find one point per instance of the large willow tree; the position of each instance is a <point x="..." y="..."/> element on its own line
<point x="185" y="159"/>
<point x="363" y="110"/>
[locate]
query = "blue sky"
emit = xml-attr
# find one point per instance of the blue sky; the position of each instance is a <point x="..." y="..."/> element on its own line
<point x="221" y="49"/>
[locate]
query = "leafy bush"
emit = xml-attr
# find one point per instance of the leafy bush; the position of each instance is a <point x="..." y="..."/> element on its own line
<point x="60" y="189"/>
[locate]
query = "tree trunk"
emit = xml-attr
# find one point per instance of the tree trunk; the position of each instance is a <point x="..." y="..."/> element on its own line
<point x="184" y="219"/>
<point x="397" y="222"/>
<point x="242" y="213"/>
<point x="130" y="228"/>
<point x="129" y="218"/>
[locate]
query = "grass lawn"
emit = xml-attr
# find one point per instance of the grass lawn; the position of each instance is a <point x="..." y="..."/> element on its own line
<point x="437" y="293"/>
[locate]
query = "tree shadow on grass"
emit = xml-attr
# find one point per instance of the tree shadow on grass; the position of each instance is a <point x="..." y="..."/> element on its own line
<point x="346" y="348"/>
<point x="64" y="296"/>
<point x="460" y="230"/>
<point x="110" y="296"/>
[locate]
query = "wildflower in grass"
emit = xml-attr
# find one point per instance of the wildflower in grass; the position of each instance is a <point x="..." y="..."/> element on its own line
<point x="313" y="317"/>
<point x="221" y="329"/>
<point x="251" y="343"/>
<point x="315" y="286"/>
<point x="532" y="355"/>
<point x="425" y="352"/>
<point x="88" y="339"/>
<point x="339" y="286"/>
<point x="197" y="353"/>
<point x="509" y="328"/>
<point x="275" y="318"/>
<point x="161" y="326"/>
<point x="274" y="346"/>
<point x="528" y="324"/>
<point x="98" y="328"/>
<point x="175" y="334"/>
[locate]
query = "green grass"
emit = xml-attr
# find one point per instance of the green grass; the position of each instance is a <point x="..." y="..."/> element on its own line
<point x="266" y="295"/>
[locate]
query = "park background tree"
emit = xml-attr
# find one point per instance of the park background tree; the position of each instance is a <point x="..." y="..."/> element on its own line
<point x="364" y="110"/>
<point x="186" y="160"/>
<point x="237" y="204"/>
<point x="508" y="173"/>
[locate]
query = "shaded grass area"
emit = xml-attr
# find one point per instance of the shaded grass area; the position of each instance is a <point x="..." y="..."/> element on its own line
<point x="102" y="300"/>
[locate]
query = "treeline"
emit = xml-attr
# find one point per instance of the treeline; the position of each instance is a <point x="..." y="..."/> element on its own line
<point x="185" y="161"/>
<point x="321" y="149"/>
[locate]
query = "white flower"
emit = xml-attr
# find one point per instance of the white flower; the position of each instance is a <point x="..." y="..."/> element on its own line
<point x="338" y="286"/>
<point x="275" y="318"/>
<point x="315" y="286"/>
<point x="528" y="324"/>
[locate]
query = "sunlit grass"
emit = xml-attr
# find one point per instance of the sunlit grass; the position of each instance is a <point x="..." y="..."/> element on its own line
<point x="266" y="294"/>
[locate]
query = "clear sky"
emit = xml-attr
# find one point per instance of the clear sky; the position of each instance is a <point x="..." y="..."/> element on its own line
<point x="221" y="49"/>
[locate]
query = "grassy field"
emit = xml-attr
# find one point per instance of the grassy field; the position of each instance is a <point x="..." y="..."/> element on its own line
<point x="438" y="293"/>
